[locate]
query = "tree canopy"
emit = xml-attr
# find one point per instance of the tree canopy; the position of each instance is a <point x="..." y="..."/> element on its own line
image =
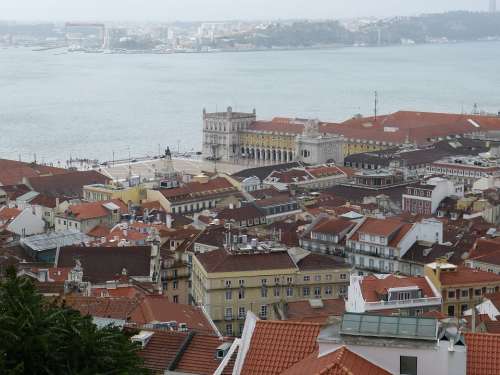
<point x="42" y="337"/>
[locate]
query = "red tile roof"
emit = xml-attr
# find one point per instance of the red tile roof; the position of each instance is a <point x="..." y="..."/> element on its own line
<point x="8" y="214"/>
<point x="68" y="184"/>
<point x="276" y="346"/>
<point x="483" y="353"/>
<point x="92" y="210"/>
<point x="12" y="172"/>
<point x="303" y="312"/>
<point x="223" y="261"/>
<point x="160" y="309"/>
<point x="393" y="229"/>
<point x="340" y="362"/>
<point x="161" y="349"/>
<point x="372" y="287"/>
<point x="464" y="275"/>
<point x="115" y="308"/>
<point x="277" y="125"/>
<point x="327" y="170"/>
<point x="99" y="231"/>
<point x="198" y="189"/>
<point x="486" y="251"/>
<point x="199" y="356"/>
<point x="333" y="226"/>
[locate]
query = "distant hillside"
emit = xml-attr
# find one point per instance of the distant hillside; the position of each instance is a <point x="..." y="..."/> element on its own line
<point x="453" y="26"/>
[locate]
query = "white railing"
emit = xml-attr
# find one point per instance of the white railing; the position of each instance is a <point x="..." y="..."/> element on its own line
<point x="403" y="303"/>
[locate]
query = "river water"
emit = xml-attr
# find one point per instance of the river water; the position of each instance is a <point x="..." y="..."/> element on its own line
<point x="93" y="105"/>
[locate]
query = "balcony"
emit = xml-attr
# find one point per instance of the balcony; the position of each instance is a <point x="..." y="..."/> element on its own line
<point x="371" y="253"/>
<point x="403" y="304"/>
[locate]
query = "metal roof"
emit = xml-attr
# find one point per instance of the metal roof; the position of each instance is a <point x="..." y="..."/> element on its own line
<point x="389" y="326"/>
<point x="52" y="240"/>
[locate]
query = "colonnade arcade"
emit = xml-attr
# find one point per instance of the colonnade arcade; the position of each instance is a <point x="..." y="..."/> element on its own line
<point x="266" y="154"/>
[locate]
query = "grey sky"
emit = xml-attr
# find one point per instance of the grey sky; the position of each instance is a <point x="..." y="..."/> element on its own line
<point x="184" y="10"/>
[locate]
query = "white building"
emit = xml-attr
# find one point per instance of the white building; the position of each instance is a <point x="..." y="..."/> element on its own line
<point x="27" y="223"/>
<point x="424" y="198"/>
<point x="378" y="244"/>
<point x="409" y="296"/>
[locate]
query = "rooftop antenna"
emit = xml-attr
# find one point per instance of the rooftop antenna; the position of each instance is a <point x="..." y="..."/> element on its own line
<point x="376" y="105"/>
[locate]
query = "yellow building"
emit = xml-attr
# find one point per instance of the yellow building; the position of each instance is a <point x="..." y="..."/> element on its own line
<point x="228" y="284"/>
<point x="98" y="192"/>
<point x="461" y="288"/>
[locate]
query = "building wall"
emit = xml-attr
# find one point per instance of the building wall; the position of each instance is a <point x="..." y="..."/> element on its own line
<point x="431" y="359"/>
<point x="283" y="285"/>
<point x="27" y="224"/>
<point x="488" y="267"/>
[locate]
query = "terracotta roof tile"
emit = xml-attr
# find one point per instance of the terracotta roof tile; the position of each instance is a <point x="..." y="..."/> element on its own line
<point x="340" y="362"/>
<point x="161" y="349"/>
<point x="276" y="346"/>
<point x="8" y="214"/>
<point x="315" y="261"/>
<point x="303" y="312"/>
<point x="160" y="309"/>
<point x="464" y="275"/>
<point x="483" y="353"/>
<point x="12" y="171"/>
<point x="333" y="225"/>
<point x="199" y="356"/>
<point x="102" y="264"/>
<point x="372" y="286"/>
<point x="105" y="307"/>
<point x="68" y="184"/>
<point x="223" y="261"/>
<point x="277" y="126"/>
<point x="92" y="210"/>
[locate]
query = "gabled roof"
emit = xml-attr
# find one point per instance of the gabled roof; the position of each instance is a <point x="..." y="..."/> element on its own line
<point x="195" y="189"/>
<point x="483" y="353"/>
<point x="340" y="362"/>
<point x="8" y="214"/>
<point x="486" y="251"/>
<point x="246" y="212"/>
<point x="93" y="210"/>
<point x="332" y="226"/>
<point x="276" y="346"/>
<point x="68" y="184"/>
<point x="199" y="356"/>
<point x="12" y="172"/>
<point x="374" y="285"/>
<point x="394" y="230"/>
<point x="263" y="172"/>
<point x="102" y="264"/>
<point x="161" y="349"/>
<point x="315" y="261"/>
<point x="160" y="309"/>
<point x="223" y="261"/>
<point x="105" y="307"/>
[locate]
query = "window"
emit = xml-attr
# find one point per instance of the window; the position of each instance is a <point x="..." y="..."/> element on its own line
<point x="242" y="312"/>
<point x="328" y="290"/>
<point x="289" y="280"/>
<point x="371" y="263"/>
<point x="176" y="299"/>
<point x="263" y="292"/>
<point x="317" y="278"/>
<point x="463" y="308"/>
<point x="229" y="295"/>
<point x="241" y="293"/>
<point x="175" y="282"/>
<point x="343" y="276"/>
<point x="289" y="292"/>
<point x="305" y="291"/>
<point x="228" y="314"/>
<point x="276" y="280"/>
<point x="407" y="365"/>
<point x="277" y="291"/>
<point x="241" y="282"/>
<point x="263" y="311"/>
<point x="465" y="293"/>
<point x="229" y="329"/>
<point x="477" y="292"/>
<point x="264" y="281"/>
<point x="317" y="291"/>
<point x="451" y="294"/>
<point x="451" y="310"/>
<point x="228" y="283"/>
<point x="328" y="277"/>
<point x="307" y="278"/>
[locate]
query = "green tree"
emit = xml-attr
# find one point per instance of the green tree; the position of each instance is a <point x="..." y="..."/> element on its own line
<point x="40" y="337"/>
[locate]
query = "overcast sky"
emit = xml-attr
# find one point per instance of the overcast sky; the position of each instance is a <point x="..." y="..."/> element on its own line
<point x="189" y="10"/>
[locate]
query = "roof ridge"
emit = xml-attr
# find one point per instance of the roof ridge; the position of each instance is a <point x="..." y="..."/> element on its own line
<point x="288" y="322"/>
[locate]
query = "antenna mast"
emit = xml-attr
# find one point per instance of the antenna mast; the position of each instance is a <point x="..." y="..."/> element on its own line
<point x="376" y="105"/>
